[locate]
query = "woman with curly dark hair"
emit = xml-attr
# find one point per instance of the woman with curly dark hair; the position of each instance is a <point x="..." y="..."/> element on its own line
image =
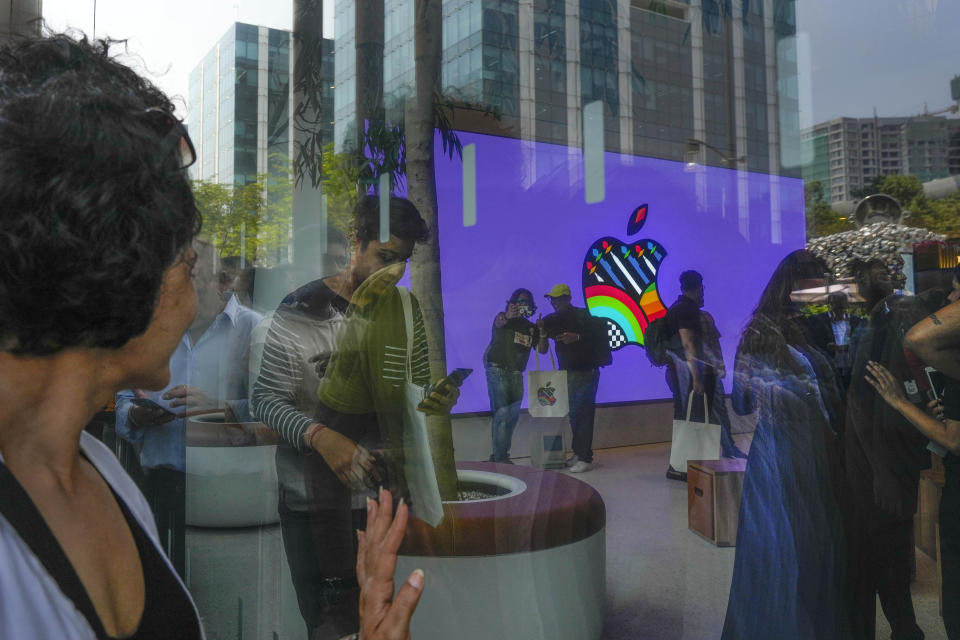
<point x="95" y="293"/>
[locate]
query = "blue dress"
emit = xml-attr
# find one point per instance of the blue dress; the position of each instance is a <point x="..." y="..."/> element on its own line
<point x="788" y="575"/>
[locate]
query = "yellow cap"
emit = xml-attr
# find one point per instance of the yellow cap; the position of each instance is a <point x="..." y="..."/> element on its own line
<point x="558" y="290"/>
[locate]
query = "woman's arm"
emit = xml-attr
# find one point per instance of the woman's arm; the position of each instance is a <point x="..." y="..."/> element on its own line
<point x="945" y="433"/>
<point x="936" y="340"/>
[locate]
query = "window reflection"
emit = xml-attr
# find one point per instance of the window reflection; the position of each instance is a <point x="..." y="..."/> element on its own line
<point x="767" y="332"/>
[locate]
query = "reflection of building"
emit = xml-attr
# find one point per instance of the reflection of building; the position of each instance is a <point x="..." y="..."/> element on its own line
<point x="666" y="71"/>
<point x="20" y="17"/>
<point x="239" y="103"/>
<point x="847" y="153"/>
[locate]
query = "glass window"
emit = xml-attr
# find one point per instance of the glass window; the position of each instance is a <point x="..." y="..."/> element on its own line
<point x="633" y="266"/>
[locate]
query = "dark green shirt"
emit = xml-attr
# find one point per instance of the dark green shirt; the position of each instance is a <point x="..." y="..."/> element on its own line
<point x="510" y="345"/>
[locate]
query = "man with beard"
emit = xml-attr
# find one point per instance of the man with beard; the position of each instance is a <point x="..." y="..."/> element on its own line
<point x="883" y="457"/>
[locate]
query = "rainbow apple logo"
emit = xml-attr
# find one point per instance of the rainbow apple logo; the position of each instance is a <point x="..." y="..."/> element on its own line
<point x="546" y="395"/>
<point x="620" y="283"/>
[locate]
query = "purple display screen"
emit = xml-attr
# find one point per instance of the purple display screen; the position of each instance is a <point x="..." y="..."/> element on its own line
<point x="534" y="229"/>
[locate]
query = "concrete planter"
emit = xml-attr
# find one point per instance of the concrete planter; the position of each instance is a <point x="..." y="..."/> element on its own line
<point x="528" y="564"/>
<point x="231" y="473"/>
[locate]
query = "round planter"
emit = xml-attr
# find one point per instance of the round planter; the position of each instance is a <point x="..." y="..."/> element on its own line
<point x="231" y="473"/>
<point x="529" y="564"/>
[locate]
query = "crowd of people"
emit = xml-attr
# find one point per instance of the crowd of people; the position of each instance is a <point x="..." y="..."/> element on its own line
<point x="831" y="482"/>
<point x="137" y="307"/>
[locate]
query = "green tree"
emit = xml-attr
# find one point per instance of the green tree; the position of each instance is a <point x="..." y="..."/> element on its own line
<point x="252" y="220"/>
<point x="341" y="175"/>
<point x="821" y="219"/>
<point x="940" y="216"/>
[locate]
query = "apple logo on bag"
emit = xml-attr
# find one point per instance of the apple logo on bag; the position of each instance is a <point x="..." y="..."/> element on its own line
<point x="620" y="283"/>
<point x="545" y="395"/>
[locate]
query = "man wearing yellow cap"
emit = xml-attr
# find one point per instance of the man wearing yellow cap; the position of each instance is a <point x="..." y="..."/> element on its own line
<point x="579" y="339"/>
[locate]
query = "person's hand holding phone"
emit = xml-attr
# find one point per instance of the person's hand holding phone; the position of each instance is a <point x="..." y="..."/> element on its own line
<point x="936" y="408"/>
<point x="147" y="413"/>
<point x="441" y="399"/>
<point x="442" y="396"/>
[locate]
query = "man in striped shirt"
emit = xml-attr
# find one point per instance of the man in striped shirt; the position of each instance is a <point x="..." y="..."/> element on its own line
<point x="324" y="462"/>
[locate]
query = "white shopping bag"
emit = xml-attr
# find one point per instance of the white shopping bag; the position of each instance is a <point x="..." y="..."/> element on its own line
<point x="418" y="463"/>
<point x="694" y="440"/>
<point x="547" y="392"/>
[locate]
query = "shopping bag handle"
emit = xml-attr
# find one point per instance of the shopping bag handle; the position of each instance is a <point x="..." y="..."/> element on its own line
<point x="706" y="407"/>
<point x="408" y="322"/>
<point x="553" y="363"/>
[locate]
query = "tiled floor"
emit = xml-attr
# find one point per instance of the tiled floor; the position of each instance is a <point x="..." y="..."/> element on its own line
<point x="663" y="582"/>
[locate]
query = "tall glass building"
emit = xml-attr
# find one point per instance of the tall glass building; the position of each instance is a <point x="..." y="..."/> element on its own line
<point x="239" y="104"/>
<point x="667" y="71"/>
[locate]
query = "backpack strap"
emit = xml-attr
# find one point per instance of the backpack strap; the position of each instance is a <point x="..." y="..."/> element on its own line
<point x="18" y="509"/>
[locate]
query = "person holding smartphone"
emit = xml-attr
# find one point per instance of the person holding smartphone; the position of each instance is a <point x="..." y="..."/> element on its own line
<point x="941" y="426"/>
<point x="208" y="375"/>
<point x="505" y="359"/>
<point x="331" y="454"/>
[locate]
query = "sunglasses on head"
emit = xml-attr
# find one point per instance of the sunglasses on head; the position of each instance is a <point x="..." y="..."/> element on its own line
<point x="175" y="136"/>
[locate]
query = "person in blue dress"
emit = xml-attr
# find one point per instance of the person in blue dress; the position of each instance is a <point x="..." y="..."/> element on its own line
<point x="788" y="578"/>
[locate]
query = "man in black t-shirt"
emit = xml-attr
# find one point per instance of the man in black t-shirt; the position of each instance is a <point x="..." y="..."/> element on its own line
<point x="575" y="334"/>
<point x="696" y="363"/>
<point x="505" y="359"/>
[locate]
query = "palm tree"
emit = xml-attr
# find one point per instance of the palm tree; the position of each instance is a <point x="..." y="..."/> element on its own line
<point x="307" y="127"/>
<point x="421" y="178"/>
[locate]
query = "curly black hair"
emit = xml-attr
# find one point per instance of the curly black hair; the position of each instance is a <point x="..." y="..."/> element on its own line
<point x="95" y="205"/>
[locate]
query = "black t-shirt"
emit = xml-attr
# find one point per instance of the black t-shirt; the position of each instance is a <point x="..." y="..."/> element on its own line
<point x="510" y="345"/>
<point x="685" y="314"/>
<point x="317" y="299"/>
<point x="576" y="356"/>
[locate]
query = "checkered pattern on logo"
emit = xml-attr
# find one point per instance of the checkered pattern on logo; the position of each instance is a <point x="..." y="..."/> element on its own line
<point x="615" y="336"/>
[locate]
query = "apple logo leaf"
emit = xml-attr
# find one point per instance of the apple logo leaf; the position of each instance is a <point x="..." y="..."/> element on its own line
<point x="637" y="220"/>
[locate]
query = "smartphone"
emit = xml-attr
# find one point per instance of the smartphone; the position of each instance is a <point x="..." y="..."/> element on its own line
<point x="147" y="403"/>
<point x="937" y="383"/>
<point x="455" y="378"/>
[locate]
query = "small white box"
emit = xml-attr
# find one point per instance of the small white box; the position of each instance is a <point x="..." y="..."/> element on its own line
<point x="547" y="450"/>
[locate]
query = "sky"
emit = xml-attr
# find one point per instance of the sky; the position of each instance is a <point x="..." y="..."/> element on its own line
<point x="895" y="55"/>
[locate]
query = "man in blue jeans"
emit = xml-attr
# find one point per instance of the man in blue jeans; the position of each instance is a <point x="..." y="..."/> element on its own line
<point x="580" y="343"/>
<point x="505" y="359"/>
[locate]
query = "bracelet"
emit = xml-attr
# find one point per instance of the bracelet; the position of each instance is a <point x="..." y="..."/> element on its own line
<point x="311" y="432"/>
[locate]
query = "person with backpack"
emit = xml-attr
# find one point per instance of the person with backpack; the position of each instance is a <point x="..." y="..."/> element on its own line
<point x="694" y="361"/>
<point x="582" y="348"/>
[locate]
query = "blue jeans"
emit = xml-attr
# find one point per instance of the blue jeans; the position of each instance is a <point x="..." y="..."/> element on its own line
<point x="505" y="389"/>
<point x="582" y="392"/>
